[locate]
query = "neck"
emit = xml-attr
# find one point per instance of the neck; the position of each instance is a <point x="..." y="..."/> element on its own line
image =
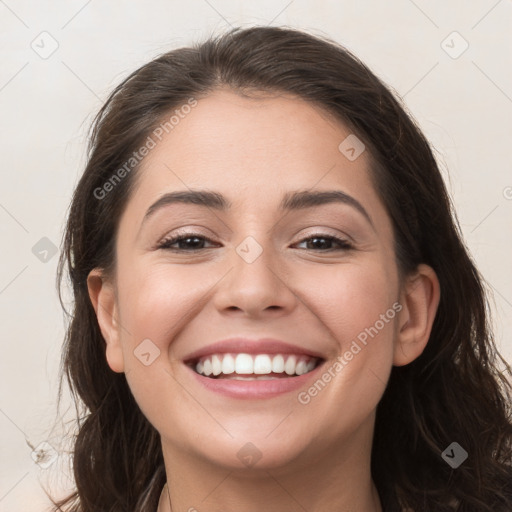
<point x="165" y="504"/>
<point x="335" y="479"/>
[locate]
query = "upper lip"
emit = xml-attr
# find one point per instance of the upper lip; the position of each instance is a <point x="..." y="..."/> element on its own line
<point x="248" y="346"/>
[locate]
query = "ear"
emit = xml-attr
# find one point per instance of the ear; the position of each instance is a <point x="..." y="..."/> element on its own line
<point x="419" y="299"/>
<point x="103" y="298"/>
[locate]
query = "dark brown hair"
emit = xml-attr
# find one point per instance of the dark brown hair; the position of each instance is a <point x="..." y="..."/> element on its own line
<point x="454" y="391"/>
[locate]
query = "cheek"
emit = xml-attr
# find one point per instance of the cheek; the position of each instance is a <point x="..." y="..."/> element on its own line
<point x="157" y="301"/>
<point x="155" y="304"/>
<point x="343" y="302"/>
<point x="358" y="305"/>
<point x="350" y="298"/>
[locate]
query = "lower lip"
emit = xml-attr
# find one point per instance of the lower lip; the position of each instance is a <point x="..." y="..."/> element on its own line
<point x="251" y="389"/>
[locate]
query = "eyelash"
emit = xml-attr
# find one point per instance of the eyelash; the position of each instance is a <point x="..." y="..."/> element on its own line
<point x="166" y="243"/>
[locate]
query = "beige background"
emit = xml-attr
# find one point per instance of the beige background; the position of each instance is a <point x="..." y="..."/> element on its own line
<point x="464" y="105"/>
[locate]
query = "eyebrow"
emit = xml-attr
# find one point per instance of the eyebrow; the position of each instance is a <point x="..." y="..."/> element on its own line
<point x="292" y="201"/>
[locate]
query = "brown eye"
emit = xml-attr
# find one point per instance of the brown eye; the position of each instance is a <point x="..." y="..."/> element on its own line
<point x="324" y="243"/>
<point x="190" y="242"/>
<point x="187" y="242"/>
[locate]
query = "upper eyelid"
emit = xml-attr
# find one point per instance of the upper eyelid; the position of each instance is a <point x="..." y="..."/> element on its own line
<point x="306" y="236"/>
<point x="193" y="232"/>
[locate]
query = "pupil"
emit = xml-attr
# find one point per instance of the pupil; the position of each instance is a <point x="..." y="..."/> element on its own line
<point x="318" y="245"/>
<point x="195" y="238"/>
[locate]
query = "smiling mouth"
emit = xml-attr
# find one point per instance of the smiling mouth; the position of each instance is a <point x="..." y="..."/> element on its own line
<point x="243" y="366"/>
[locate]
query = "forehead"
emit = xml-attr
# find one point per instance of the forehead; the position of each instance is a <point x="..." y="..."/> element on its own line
<point x="253" y="150"/>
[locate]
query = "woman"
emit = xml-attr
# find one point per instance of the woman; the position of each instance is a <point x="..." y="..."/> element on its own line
<point x="274" y="308"/>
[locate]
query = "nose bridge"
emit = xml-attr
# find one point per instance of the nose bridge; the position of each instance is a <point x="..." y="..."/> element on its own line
<point x="254" y="282"/>
<point x="256" y="265"/>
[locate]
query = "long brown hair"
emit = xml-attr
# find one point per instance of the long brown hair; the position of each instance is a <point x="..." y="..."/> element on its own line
<point x="453" y="392"/>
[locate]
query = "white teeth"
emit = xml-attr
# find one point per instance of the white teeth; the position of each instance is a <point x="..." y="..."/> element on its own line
<point x="250" y="366"/>
<point x="228" y="365"/>
<point x="262" y="364"/>
<point x="207" y="367"/>
<point x="216" y="365"/>
<point x="278" y="364"/>
<point x="289" y="367"/>
<point x="300" y="369"/>
<point x="244" y="364"/>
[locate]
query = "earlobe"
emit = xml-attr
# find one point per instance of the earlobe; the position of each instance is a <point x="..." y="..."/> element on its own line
<point x="420" y="300"/>
<point x="103" y="298"/>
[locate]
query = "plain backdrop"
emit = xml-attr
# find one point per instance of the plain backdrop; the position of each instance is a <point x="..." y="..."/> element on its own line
<point x="450" y="61"/>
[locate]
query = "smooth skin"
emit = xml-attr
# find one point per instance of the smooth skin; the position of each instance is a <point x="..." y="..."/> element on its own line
<point x="253" y="150"/>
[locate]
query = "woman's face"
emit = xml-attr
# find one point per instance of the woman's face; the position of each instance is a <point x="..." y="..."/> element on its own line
<point x="258" y="271"/>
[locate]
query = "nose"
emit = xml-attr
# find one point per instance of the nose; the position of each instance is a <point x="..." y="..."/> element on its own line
<point x="255" y="285"/>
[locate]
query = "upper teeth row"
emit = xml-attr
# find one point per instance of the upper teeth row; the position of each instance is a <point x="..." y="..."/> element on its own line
<point x="260" y="364"/>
